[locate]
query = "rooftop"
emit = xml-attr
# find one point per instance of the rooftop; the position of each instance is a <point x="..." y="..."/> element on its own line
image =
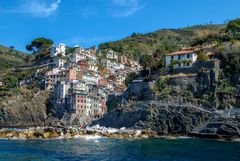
<point x="182" y="52"/>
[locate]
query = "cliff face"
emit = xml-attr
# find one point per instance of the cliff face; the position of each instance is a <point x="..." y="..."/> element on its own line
<point x="188" y="104"/>
<point x="23" y="110"/>
<point x="151" y="115"/>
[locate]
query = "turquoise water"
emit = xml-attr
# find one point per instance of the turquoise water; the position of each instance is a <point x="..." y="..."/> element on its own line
<point x="119" y="149"/>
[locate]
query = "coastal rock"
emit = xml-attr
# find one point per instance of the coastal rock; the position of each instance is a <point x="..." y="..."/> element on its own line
<point x="164" y="119"/>
<point x="222" y="128"/>
<point x="22" y="135"/>
<point x="22" y="112"/>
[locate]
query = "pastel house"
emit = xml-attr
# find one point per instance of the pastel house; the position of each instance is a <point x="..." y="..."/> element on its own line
<point x="181" y="59"/>
<point x="58" y="49"/>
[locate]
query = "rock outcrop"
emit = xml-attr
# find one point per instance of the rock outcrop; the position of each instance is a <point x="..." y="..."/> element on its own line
<point x="165" y="119"/>
<point x="219" y="128"/>
<point x="24" y="111"/>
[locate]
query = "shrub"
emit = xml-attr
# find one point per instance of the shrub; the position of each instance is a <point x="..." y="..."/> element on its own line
<point x="202" y="56"/>
<point x="130" y="77"/>
<point x="161" y="86"/>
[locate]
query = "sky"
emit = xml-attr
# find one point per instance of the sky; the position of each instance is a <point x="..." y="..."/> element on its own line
<point x="90" y="22"/>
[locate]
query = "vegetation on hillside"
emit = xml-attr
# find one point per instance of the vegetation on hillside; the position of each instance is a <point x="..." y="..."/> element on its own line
<point x="9" y="57"/>
<point x="161" y="41"/>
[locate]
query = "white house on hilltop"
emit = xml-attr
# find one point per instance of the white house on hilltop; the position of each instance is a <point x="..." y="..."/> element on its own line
<point x="181" y="59"/>
<point x="58" y="49"/>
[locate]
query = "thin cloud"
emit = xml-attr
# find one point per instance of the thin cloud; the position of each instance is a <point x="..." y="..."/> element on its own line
<point x="35" y="8"/>
<point x="125" y="8"/>
<point x="112" y="8"/>
<point x="40" y="8"/>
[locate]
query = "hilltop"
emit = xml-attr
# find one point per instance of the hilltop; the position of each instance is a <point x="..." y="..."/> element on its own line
<point x="165" y="40"/>
<point x="9" y="57"/>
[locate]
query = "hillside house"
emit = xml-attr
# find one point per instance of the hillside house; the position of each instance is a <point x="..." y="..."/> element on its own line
<point x="2" y="83"/>
<point x="93" y="65"/>
<point x="112" y="55"/>
<point x="59" y="62"/>
<point x="102" y="82"/>
<point x="58" y="49"/>
<point x="83" y="65"/>
<point x="54" y="76"/>
<point x="90" y="78"/>
<point x="135" y="65"/>
<point x="73" y="73"/>
<point x="112" y="65"/>
<point x="123" y="59"/>
<point x="76" y="57"/>
<point x="59" y="94"/>
<point x="76" y="103"/>
<point x="181" y="59"/>
<point x="120" y="79"/>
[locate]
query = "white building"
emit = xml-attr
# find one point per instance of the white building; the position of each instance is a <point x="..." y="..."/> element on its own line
<point x="112" y="65"/>
<point x="58" y="49"/>
<point x="112" y="55"/>
<point x="93" y="65"/>
<point x="181" y="59"/>
<point x="2" y="83"/>
<point x="61" y="89"/>
<point x="76" y="57"/>
<point x="54" y="76"/>
<point x="90" y="78"/>
<point x="110" y="86"/>
<point x="59" y="62"/>
<point x="60" y="92"/>
<point x="88" y="105"/>
<point x="77" y="85"/>
<point x="120" y="79"/>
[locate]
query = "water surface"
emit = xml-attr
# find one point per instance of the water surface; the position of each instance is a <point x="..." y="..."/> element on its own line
<point x="119" y="149"/>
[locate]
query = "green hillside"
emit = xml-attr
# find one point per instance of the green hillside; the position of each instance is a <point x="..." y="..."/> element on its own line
<point x="9" y="57"/>
<point x="165" y="39"/>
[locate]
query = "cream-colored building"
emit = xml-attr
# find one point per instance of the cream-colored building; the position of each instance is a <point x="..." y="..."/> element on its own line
<point x="181" y="59"/>
<point x="58" y="49"/>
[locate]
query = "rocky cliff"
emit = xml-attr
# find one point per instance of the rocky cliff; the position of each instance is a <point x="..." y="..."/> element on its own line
<point x="165" y="119"/>
<point x="190" y="99"/>
<point x="25" y="109"/>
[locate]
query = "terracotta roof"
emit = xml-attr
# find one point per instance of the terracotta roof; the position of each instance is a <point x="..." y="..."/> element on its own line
<point x="181" y="52"/>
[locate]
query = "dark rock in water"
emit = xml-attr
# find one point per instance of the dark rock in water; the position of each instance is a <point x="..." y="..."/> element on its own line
<point x="226" y="128"/>
<point x="161" y="118"/>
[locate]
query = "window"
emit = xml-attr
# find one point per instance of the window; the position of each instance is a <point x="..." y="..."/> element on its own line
<point x="179" y="56"/>
<point x="188" y="64"/>
<point x="172" y="57"/>
<point x="188" y="55"/>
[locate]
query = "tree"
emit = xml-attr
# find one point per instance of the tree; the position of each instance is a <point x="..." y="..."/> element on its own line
<point x="148" y="62"/>
<point x="40" y="47"/>
<point x="233" y="26"/>
<point x="70" y="50"/>
<point x="11" y="48"/>
<point x="159" y="53"/>
<point x="39" y="44"/>
<point x="233" y="29"/>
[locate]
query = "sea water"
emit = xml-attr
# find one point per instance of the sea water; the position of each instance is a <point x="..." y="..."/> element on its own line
<point x="95" y="148"/>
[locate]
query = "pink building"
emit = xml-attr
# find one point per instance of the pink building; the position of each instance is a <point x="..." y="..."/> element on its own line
<point x="74" y="74"/>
